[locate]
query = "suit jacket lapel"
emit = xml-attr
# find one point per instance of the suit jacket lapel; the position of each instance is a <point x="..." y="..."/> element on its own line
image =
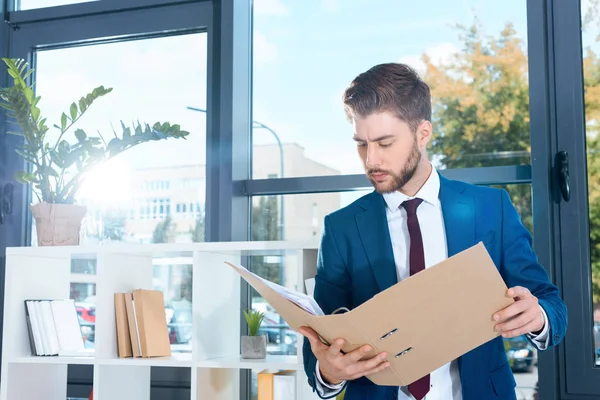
<point x="375" y="237"/>
<point x="459" y="216"/>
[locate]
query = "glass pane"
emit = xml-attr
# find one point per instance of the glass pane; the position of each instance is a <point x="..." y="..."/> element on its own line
<point x="154" y="192"/>
<point x="83" y="292"/>
<point x="174" y="278"/>
<point x="591" y="71"/>
<point x="31" y="4"/>
<point x="473" y="54"/>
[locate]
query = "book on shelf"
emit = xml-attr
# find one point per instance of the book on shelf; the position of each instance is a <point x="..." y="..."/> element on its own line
<point x="141" y="324"/>
<point x="53" y="328"/>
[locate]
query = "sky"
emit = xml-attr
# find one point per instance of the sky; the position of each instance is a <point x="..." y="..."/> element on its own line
<point x="306" y="52"/>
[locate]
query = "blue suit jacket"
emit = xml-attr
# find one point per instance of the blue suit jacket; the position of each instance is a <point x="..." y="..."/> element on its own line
<point x="356" y="262"/>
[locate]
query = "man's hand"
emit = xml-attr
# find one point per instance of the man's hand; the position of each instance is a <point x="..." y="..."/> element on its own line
<point x="521" y="317"/>
<point x="335" y="366"/>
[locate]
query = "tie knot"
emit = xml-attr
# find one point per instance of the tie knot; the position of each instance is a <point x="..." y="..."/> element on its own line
<point x="411" y="205"/>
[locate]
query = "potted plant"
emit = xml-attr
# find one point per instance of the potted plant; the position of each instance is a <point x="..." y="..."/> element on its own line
<point x="254" y="345"/>
<point x="57" y="168"/>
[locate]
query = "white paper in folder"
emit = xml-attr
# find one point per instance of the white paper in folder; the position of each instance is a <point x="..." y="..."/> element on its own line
<point x="303" y="301"/>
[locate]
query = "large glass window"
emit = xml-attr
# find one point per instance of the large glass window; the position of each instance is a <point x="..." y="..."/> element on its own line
<point x="155" y="192"/>
<point x="472" y="53"/>
<point x="591" y="70"/>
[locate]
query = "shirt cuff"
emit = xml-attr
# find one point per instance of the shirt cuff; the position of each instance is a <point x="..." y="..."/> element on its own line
<point x="326" y="389"/>
<point x="541" y="340"/>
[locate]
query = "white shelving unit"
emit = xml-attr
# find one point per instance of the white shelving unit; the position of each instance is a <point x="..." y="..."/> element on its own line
<point x="215" y="362"/>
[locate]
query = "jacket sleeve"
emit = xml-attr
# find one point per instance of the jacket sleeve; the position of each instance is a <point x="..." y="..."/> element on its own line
<point x="520" y="267"/>
<point x="332" y="290"/>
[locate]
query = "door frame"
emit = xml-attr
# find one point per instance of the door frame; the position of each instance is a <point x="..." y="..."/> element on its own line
<point x="557" y="110"/>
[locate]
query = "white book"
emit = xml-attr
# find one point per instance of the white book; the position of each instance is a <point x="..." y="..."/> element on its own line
<point x="35" y="330"/>
<point x="49" y="328"/>
<point x="67" y="326"/>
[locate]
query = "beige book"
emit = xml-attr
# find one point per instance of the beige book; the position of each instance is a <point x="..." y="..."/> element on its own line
<point x="149" y="308"/>
<point x="123" y="336"/>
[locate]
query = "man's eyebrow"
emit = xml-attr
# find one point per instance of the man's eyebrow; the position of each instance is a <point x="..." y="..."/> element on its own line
<point x="378" y="139"/>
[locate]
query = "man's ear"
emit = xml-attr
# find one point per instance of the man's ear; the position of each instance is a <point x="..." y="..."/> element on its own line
<point x="424" y="132"/>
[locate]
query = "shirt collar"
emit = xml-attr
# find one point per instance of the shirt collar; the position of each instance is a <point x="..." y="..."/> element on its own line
<point x="429" y="192"/>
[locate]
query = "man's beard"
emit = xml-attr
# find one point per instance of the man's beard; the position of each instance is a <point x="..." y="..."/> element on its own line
<point x="400" y="179"/>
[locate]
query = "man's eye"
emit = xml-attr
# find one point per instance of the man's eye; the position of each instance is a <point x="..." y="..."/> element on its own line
<point x="386" y="144"/>
<point x="360" y="144"/>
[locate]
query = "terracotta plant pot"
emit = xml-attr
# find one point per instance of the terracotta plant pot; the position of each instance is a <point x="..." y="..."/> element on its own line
<point x="254" y="347"/>
<point x="58" y="224"/>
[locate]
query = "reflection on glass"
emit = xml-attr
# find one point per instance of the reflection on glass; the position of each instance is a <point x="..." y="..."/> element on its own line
<point x="296" y="217"/>
<point x="591" y="71"/>
<point x="472" y="53"/>
<point x="520" y="195"/>
<point x="283" y="270"/>
<point x="31" y="4"/>
<point x="174" y="278"/>
<point x="154" y="192"/>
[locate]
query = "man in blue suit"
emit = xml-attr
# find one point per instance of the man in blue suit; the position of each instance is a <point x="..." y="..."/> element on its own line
<point x="416" y="218"/>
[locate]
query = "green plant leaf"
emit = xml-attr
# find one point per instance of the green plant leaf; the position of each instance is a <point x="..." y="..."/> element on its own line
<point x="82" y="104"/>
<point x="63" y="122"/>
<point x="35" y="113"/>
<point x="73" y="111"/>
<point x="254" y="319"/>
<point x="25" y="177"/>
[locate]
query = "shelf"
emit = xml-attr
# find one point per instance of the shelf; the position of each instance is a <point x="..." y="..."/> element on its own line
<point x="52" y="360"/>
<point x="271" y="362"/>
<point x="45" y="272"/>
<point x="164" y="249"/>
<point x="176" y="360"/>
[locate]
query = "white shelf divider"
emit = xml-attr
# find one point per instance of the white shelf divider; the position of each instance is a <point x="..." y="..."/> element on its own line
<point x="215" y="306"/>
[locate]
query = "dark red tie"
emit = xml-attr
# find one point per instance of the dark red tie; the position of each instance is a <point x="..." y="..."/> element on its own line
<point x="420" y="387"/>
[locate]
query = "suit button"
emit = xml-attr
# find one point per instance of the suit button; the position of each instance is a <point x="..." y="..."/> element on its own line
<point x="556" y="337"/>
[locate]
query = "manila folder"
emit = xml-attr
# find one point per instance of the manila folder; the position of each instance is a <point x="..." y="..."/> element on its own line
<point x="422" y="322"/>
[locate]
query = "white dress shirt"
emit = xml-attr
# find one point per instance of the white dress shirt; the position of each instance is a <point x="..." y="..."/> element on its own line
<point x="445" y="381"/>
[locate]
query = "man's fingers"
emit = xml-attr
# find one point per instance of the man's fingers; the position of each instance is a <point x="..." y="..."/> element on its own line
<point x="336" y="347"/>
<point x="516" y="322"/>
<point x="520" y="331"/>
<point x="358" y="354"/>
<point x="514" y="309"/>
<point x="518" y="291"/>
<point x="378" y="368"/>
<point x="367" y="365"/>
<point x="312" y="336"/>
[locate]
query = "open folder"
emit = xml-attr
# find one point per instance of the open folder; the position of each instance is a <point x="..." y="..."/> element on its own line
<point x="422" y="322"/>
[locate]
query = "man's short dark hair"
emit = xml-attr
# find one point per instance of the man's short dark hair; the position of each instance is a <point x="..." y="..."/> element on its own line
<point x="391" y="87"/>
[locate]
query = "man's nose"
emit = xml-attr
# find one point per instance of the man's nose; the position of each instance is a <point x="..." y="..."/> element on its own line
<point x="373" y="157"/>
